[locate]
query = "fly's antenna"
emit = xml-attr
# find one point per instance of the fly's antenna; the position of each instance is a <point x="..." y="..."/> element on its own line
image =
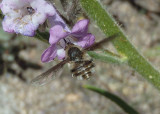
<point x="66" y="42"/>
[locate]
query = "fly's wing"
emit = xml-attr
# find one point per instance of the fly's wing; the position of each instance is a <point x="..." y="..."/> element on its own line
<point x="96" y="45"/>
<point x="49" y="75"/>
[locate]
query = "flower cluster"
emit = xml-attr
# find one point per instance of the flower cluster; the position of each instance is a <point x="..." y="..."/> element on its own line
<point x="25" y="16"/>
<point x="77" y="36"/>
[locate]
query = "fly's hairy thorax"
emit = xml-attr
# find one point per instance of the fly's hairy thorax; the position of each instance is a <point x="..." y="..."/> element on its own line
<point x="80" y="68"/>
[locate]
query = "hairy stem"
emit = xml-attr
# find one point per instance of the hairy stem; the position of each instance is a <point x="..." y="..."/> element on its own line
<point x="106" y="23"/>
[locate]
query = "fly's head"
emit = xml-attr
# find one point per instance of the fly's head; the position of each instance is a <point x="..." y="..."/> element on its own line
<point x="74" y="53"/>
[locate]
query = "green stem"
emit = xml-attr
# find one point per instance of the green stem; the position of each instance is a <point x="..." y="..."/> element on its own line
<point x="135" y="60"/>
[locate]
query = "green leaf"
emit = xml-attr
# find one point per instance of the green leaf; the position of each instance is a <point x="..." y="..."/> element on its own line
<point x="121" y="103"/>
<point x="43" y="36"/>
<point x="108" y="57"/>
<point x="1" y="15"/>
<point x="135" y="60"/>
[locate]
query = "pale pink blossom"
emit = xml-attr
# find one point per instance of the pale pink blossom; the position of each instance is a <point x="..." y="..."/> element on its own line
<point x="25" y="16"/>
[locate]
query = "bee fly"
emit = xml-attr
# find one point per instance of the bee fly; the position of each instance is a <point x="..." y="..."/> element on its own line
<point x="81" y="68"/>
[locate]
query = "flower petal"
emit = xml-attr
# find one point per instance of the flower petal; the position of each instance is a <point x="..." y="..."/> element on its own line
<point x="8" y="25"/>
<point x="80" y="28"/>
<point x="8" y="5"/>
<point x="57" y="20"/>
<point x="49" y="54"/>
<point x="60" y="53"/>
<point x="43" y="10"/>
<point x="56" y="34"/>
<point x="43" y="7"/>
<point x="27" y="29"/>
<point x="86" y="41"/>
<point x="19" y="19"/>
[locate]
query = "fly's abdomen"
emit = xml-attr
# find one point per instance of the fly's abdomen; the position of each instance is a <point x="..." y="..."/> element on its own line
<point x="82" y="69"/>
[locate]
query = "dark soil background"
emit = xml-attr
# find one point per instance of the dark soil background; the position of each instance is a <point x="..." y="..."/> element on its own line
<point x="20" y="62"/>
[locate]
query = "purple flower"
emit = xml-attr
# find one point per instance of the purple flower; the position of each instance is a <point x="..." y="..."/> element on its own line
<point x="57" y="20"/>
<point x="77" y="36"/>
<point x="24" y="16"/>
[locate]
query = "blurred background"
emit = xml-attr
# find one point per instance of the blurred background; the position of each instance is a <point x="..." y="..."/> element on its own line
<point x="20" y="62"/>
